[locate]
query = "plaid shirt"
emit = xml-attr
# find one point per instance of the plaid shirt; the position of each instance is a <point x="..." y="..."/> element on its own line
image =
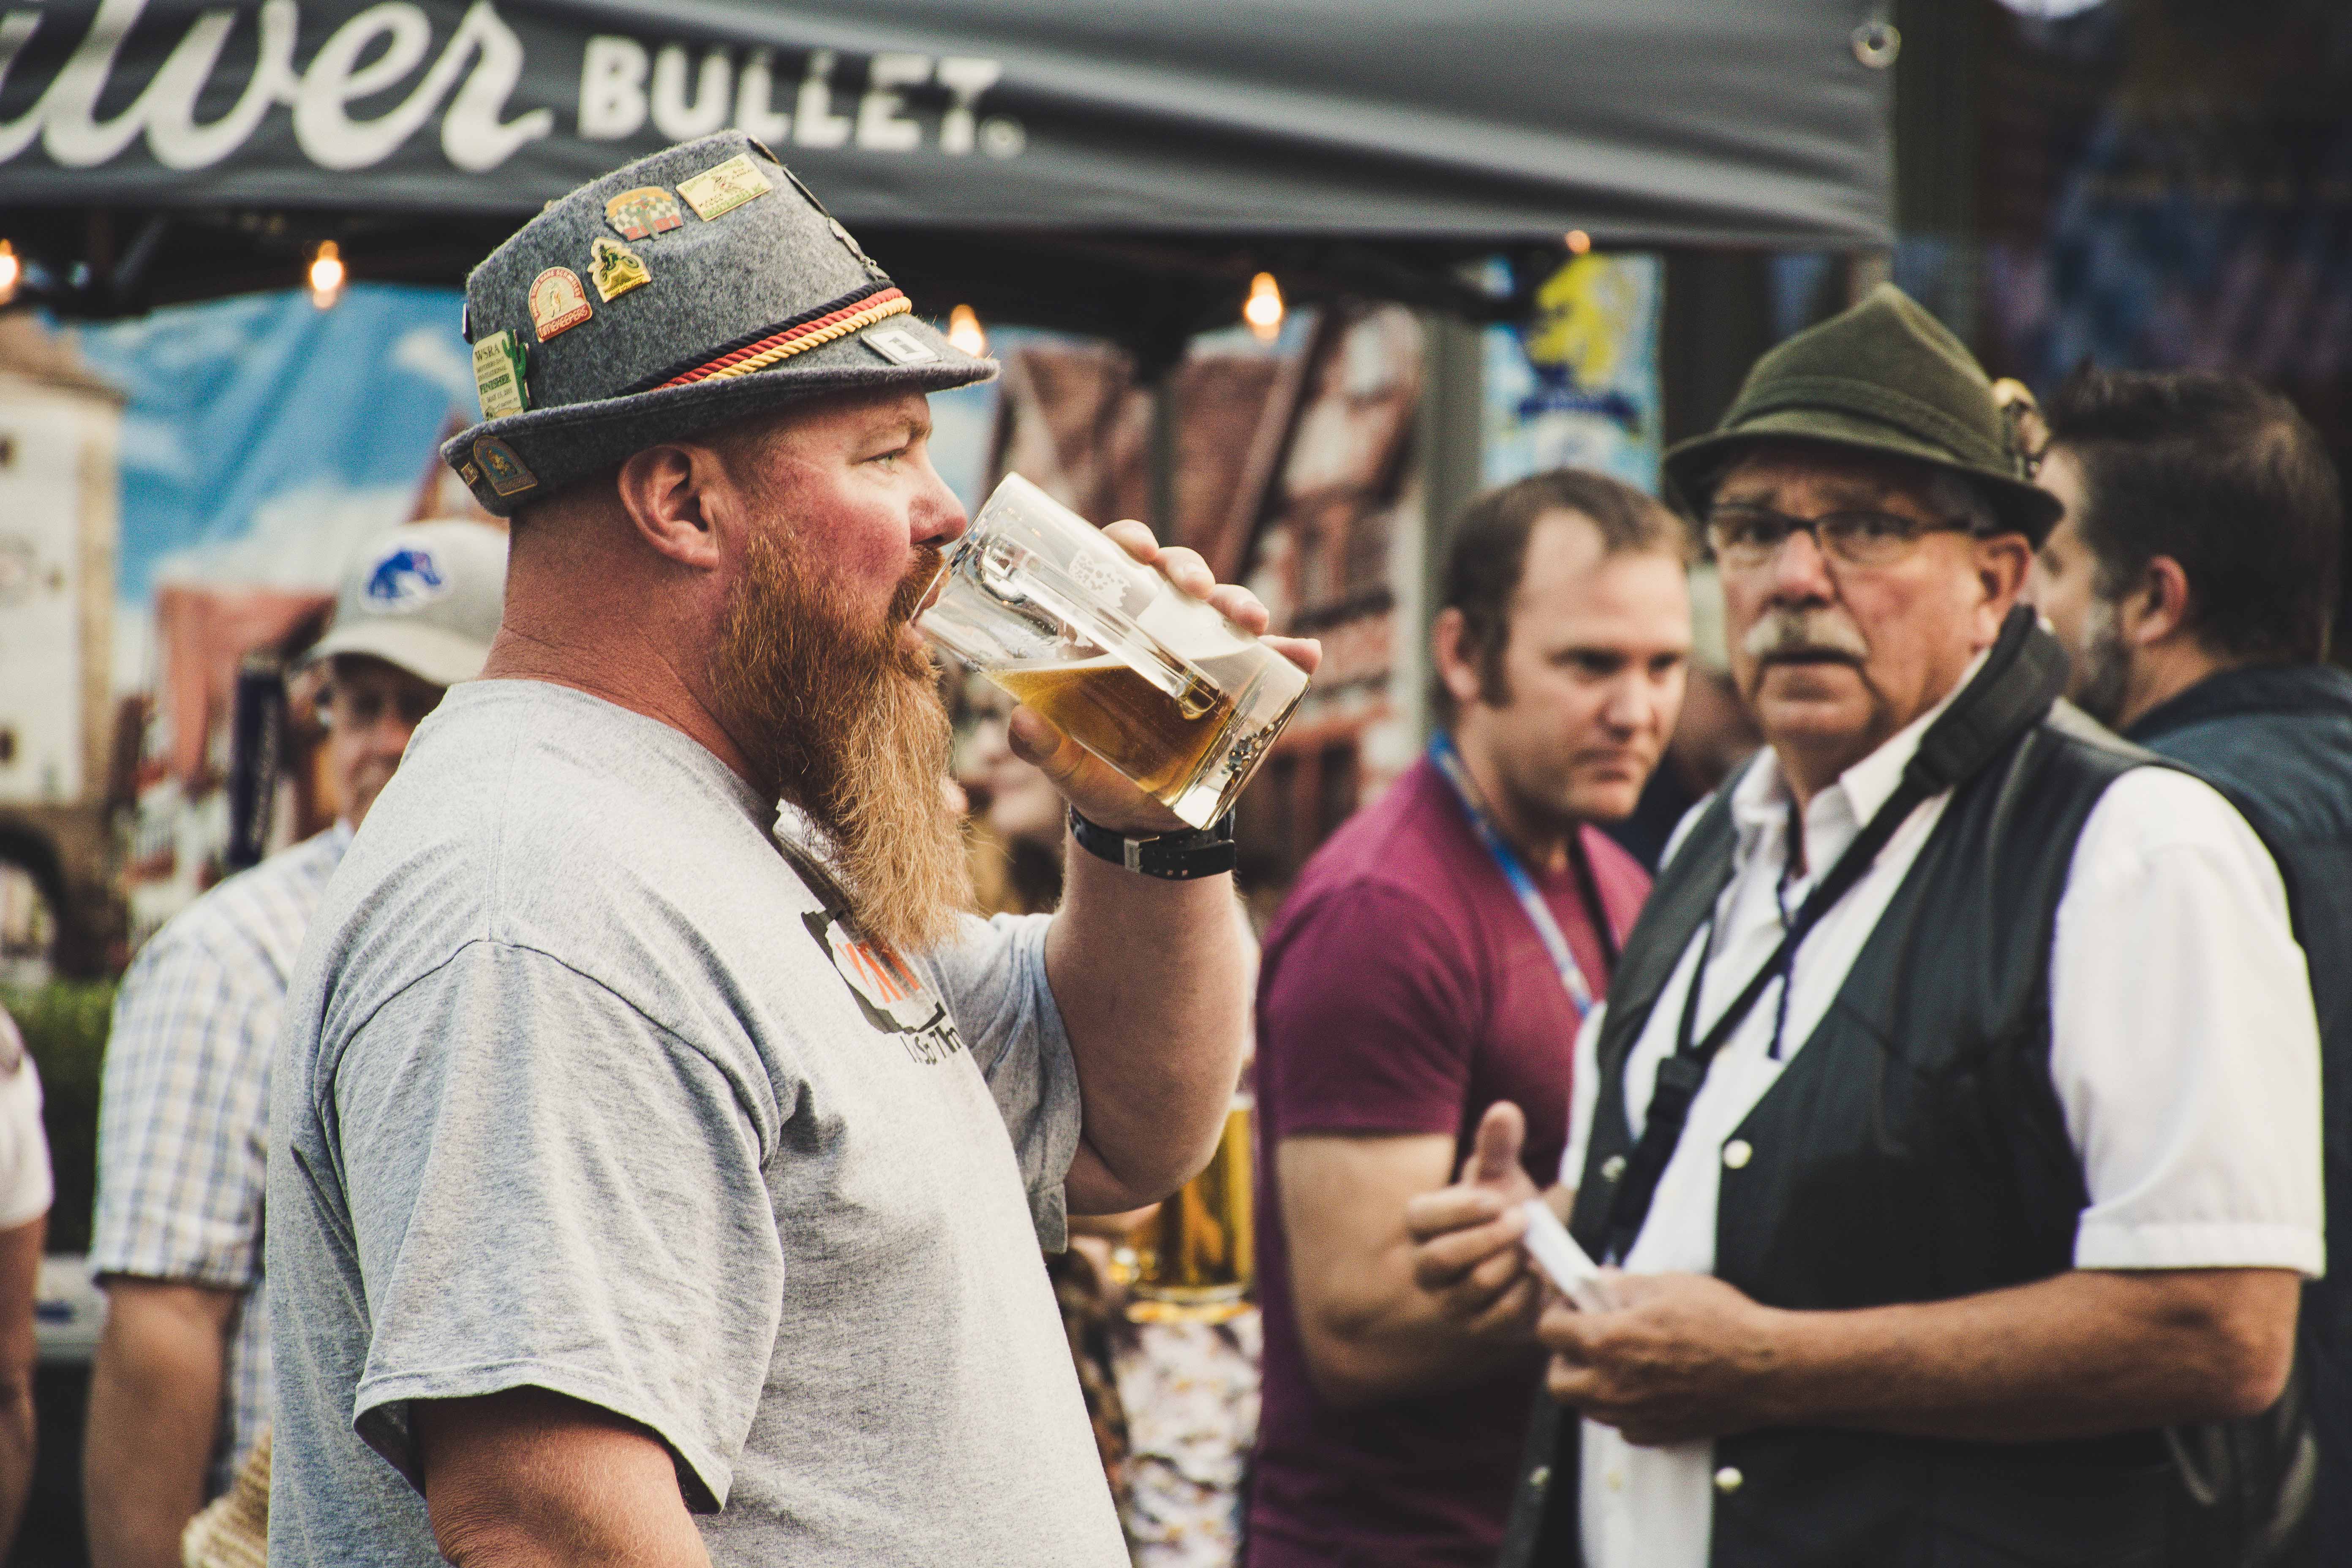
<point x="183" y="1116"/>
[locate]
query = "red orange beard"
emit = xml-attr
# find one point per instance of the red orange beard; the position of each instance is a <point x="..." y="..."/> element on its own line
<point x="847" y="718"/>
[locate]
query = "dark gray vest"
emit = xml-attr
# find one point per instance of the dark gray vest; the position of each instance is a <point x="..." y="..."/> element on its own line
<point x="1913" y="1150"/>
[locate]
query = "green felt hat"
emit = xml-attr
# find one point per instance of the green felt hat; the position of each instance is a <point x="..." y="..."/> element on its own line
<point x="1883" y="377"/>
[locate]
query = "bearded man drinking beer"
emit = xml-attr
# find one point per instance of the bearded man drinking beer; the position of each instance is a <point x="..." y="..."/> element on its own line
<point x="654" y="1185"/>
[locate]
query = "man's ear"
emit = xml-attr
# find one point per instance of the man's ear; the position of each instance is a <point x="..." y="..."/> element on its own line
<point x="677" y="496"/>
<point x="1454" y="666"/>
<point x="2157" y="608"/>
<point x="2002" y="562"/>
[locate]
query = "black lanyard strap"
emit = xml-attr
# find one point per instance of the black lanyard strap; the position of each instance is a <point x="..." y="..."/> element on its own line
<point x="2021" y="677"/>
<point x="1681" y="1074"/>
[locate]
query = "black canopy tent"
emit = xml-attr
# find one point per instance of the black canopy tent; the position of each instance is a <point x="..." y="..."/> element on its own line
<point x="1104" y="164"/>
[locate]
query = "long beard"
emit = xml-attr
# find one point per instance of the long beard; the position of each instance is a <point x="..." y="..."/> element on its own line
<point x="850" y="724"/>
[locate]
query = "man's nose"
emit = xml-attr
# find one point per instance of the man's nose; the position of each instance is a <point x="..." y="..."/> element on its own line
<point x="389" y="736"/>
<point x="1801" y="571"/>
<point x="1631" y="704"/>
<point x="938" y="517"/>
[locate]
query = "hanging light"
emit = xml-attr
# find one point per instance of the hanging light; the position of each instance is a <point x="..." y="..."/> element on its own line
<point x="964" y="331"/>
<point x="10" y="270"/>
<point x="1579" y="242"/>
<point x="327" y="275"/>
<point x="1262" y="310"/>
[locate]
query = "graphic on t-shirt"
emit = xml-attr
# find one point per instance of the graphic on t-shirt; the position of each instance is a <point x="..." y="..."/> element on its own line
<point x="889" y="993"/>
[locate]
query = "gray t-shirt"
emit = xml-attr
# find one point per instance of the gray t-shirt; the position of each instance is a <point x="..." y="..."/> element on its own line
<point x="582" y="1086"/>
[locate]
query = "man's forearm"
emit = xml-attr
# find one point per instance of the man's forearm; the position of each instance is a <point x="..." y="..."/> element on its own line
<point x="1405" y="1347"/>
<point x="20" y="1270"/>
<point x="1151" y="979"/>
<point x="154" y="1412"/>
<point x="17" y="1429"/>
<point x="2083" y="1354"/>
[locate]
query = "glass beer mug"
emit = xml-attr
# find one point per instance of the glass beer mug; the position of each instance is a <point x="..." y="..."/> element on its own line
<point x="1157" y="683"/>
<point x="1196" y="1256"/>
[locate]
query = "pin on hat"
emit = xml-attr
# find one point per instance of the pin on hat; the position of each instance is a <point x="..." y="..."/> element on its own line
<point x="426" y="598"/>
<point x="745" y="297"/>
<point x="617" y="269"/>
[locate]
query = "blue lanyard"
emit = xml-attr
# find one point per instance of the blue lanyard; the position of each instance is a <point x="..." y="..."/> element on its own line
<point x="1531" y="898"/>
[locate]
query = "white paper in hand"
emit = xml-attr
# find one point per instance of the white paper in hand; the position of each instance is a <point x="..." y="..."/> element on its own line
<point x="1565" y="1263"/>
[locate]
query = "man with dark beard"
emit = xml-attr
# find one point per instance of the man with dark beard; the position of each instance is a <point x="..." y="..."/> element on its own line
<point x="657" y="1184"/>
<point x="2193" y="580"/>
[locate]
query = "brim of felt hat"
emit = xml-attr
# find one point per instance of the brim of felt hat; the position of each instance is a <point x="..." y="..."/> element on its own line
<point x="1693" y="466"/>
<point x="562" y="445"/>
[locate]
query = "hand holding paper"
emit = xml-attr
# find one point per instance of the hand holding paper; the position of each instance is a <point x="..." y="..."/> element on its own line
<point x="1564" y="1262"/>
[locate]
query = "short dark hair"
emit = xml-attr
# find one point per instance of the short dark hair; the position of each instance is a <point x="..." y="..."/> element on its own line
<point x="1489" y="555"/>
<point x="2224" y="476"/>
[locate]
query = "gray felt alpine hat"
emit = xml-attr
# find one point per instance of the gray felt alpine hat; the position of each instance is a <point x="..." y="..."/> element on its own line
<point x="689" y="290"/>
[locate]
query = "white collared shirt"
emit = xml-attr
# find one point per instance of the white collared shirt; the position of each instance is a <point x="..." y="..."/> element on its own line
<point x="2184" y="1051"/>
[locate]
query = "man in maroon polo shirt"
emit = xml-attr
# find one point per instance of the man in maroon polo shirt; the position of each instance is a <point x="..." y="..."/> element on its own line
<point x="1435" y="958"/>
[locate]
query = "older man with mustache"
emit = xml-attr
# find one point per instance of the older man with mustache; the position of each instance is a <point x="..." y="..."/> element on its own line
<point x="1953" y="1122"/>
<point x="651" y="1184"/>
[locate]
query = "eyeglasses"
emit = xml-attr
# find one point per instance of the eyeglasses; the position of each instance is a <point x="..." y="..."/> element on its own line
<point x="359" y="709"/>
<point x="1746" y="536"/>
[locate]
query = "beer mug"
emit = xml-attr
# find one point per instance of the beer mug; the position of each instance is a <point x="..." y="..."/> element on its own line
<point x="1196" y="1257"/>
<point x="1155" y="682"/>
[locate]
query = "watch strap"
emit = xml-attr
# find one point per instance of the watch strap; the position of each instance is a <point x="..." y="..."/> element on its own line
<point x="1172" y="857"/>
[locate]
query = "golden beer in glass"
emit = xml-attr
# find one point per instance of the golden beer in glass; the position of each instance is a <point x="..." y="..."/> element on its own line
<point x="1157" y="683"/>
<point x="1196" y="1257"/>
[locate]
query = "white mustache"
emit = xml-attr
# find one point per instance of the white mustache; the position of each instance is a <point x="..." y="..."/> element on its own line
<point x="1805" y="634"/>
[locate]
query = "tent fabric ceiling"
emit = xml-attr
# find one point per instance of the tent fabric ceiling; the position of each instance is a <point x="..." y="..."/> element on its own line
<point x="1640" y="121"/>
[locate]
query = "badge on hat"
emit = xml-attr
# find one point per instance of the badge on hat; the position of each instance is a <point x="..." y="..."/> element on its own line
<point x="900" y="346"/>
<point x="505" y="471"/>
<point x="643" y="213"/>
<point x="558" y="302"/>
<point x="714" y="192"/>
<point x="616" y="267"/>
<point x="498" y="375"/>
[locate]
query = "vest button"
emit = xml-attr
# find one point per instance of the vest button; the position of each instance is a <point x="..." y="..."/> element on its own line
<point x="1613" y="1167"/>
<point x="1728" y="1480"/>
<point x="1737" y="1153"/>
<point x="1539" y="1478"/>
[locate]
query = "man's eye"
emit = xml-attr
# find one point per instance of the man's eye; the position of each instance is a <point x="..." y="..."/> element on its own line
<point x="1876" y="526"/>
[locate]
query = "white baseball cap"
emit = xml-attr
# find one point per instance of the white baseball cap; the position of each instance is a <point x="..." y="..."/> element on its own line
<point x="426" y="597"/>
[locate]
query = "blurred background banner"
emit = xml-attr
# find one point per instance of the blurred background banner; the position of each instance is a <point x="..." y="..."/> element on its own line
<point x="1647" y="120"/>
<point x="1576" y="384"/>
<point x="263" y="438"/>
<point x="183" y="489"/>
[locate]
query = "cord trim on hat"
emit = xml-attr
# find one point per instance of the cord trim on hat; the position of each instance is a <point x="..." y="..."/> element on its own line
<point x="812" y="329"/>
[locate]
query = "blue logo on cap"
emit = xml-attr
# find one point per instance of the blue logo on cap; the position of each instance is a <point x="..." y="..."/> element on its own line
<point x="405" y="579"/>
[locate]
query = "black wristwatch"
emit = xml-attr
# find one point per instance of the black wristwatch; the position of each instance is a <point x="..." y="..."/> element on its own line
<point x="1172" y="856"/>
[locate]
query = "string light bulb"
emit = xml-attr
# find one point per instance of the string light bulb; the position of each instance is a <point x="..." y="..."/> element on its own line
<point x="1579" y="242"/>
<point x="327" y="275"/>
<point x="1264" y="309"/>
<point x="965" y="331"/>
<point x="10" y="270"/>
